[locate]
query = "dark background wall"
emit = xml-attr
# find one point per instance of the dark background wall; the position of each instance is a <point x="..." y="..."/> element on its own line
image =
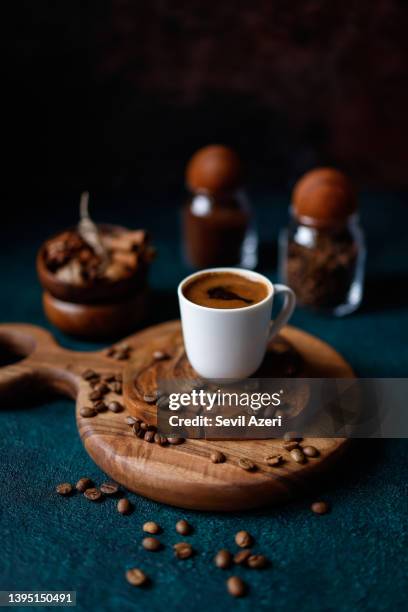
<point x="117" y="95"/>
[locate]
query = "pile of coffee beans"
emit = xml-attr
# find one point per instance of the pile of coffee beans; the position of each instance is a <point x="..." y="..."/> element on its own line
<point x="101" y="386"/>
<point x="149" y="433"/>
<point x="121" y="352"/>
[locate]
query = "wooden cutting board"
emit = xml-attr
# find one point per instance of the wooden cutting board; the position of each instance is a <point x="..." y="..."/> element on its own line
<point x="180" y="475"/>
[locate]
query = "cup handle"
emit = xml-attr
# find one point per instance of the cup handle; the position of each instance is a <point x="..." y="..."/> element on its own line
<point x="286" y="312"/>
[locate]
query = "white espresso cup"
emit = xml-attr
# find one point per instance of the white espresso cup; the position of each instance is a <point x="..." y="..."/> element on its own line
<point x="231" y="342"/>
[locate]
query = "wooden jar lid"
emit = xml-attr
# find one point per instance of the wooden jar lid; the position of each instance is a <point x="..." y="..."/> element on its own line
<point x="214" y="169"/>
<point x="324" y="195"/>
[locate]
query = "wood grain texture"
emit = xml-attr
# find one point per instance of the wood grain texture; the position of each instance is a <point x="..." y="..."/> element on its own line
<point x="178" y="475"/>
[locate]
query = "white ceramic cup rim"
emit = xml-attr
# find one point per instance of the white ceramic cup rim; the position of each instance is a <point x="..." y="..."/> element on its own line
<point x="249" y="274"/>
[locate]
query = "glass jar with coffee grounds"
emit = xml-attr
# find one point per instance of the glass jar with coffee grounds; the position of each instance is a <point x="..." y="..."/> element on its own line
<point x="218" y="223"/>
<point x="322" y="252"/>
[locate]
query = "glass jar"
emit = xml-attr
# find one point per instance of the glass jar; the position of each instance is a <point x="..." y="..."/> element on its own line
<point x="324" y="263"/>
<point x="219" y="230"/>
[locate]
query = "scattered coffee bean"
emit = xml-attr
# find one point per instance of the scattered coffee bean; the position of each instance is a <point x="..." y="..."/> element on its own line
<point x="151" y="527"/>
<point x="110" y="351"/>
<point x="223" y="558"/>
<point x="109" y="488"/>
<point x="89" y="375"/>
<point x="152" y="544"/>
<point x="95" y="396"/>
<point x="163" y="402"/>
<point x="257" y="561"/>
<point x="124" y="506"/>
<point x="136" y="429"/>
<point x="116" y="387"/>
<point x="102" y="388"/>
<point x="160" y="355"/>
<point x="297" y="455"/>
<point x="149" y="436"/>
<point x="243" y="539"/>
<point x="144" y="426"/>
<point x="149" y="398"/>
<point x="242" y="556"/>
<point x="100" y="406"/>
<point x="292" y="435"/>
<point x="236" y="587"/>
<point x="310" y="451"/>
<point x="93" y="494"/>
<point x="109" y="377"/>
<point x="140" y="433"/>
<point x="65" y="488"/>
<point x="183" y="527"/>
<point x="217" y="457"/>
<point x="183" y="550"/>
<point x="273" y="460"/>
<point x="320" y="507"/>
<point x="121" y="355"/>
<point x="115" y="407"/>
<point x="159" y="439"/>
<point x="175" y="441"/>
<point x="136" y="577"/>
<point x="87" y="412"/>
<point x="131" y="420"/>
<point x="290" y="445"/>
<point x="83" y="484"/>
<point x="246" y="464"/>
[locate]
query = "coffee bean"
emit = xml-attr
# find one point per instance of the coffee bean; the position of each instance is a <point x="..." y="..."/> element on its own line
<point x="152" y="544"/>
<point x="110" y="351"/>
<point x="95" y="396"/>
<point x="136" y="577"/>
<point x="83" y="484"/>
<point x="115" y="407"/>
<point x="273" y="460"/>
<point x="109" y="377"/>
<point x="290" y="445"/>
<point x="124" y="506"/>
<point x="140" y="432"/>
<point x="160" y="355"/>
<point x="100" y="406"/>
<point x="163" y="402"/>
<point x="236" y="587"/>
<point x="149" y="436"/>
<point x="144" y="426"/>
<point x="89" y="375"/>
<point x="87" y="412"/>
<point x="116" y="387"/>
<point x="297" y="455"/>
<point x="93" y="494"/>
<point x="109" y="488"/>
<point x="149" y="398"/>
<point x="217" y="457"/>
<point x="159" y="439"/>
<point x="320" y="507"/>
<point x="102" y="388"/>
<point x="136" y="428"/>
<point x="257" y="561"/>
<point x="151" y="527"/>
<point x="131" y="420"/>
<point x="223" y="558"/>
<point x="242" y="556"/>
<point x="243" y="539"/>
<point x="183" y="550"/>
<point x="121" y="355"/>
<point x="183" y="528"/>
<point x="65" y="488"/>
<point x="310" y="451"/>
<point x="292" y="435"/>
<point x="246" y="464"/>
<point x="175" y="441"/>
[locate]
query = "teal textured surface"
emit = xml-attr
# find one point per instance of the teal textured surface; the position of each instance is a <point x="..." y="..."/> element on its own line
<point x="351" y="559"/>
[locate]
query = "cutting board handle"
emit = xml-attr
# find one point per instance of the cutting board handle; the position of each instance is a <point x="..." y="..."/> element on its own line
<point x="44" y="366"/>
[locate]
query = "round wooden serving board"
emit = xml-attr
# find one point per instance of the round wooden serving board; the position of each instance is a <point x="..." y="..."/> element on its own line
<point x="181" y="475"/>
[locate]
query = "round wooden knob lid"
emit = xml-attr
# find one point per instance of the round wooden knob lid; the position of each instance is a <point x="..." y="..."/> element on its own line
<point x="214" y="169"/>
<point x="325" y="195"/>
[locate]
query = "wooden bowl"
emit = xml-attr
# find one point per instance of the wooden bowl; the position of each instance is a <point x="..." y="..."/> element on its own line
<point x="96" y="292"/>
<point x="96" y="321"/>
